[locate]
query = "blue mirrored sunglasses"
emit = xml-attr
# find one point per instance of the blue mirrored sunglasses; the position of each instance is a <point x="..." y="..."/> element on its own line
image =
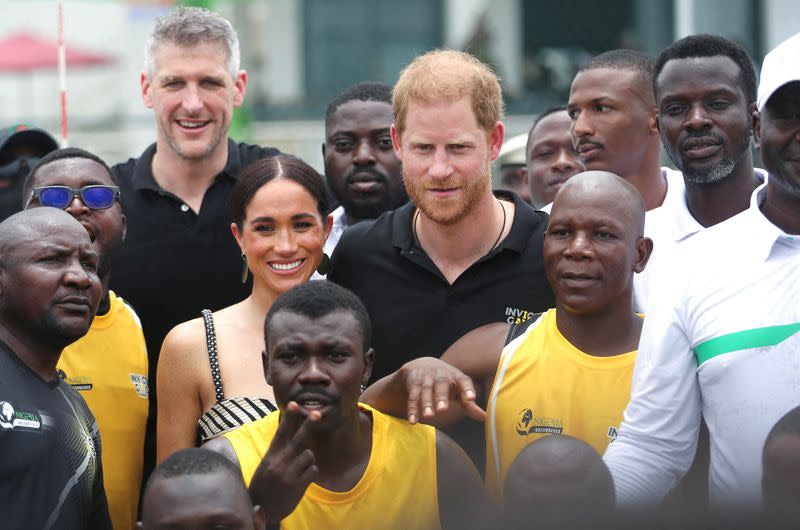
<point x="96" y="197"/>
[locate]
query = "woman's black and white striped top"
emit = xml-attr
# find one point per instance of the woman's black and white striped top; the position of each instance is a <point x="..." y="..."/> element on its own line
<point x="226" y="414"/>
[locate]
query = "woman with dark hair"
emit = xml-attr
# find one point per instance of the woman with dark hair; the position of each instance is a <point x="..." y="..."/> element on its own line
<point x="210" y="377"/>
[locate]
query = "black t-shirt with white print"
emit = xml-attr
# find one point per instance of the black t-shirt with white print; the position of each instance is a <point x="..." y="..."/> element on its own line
<point x="50" y="470"/>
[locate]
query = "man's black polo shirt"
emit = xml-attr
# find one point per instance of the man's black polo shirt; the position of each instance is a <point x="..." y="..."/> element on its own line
<point x="414" y="310"/>
<point x="174" y="263"/>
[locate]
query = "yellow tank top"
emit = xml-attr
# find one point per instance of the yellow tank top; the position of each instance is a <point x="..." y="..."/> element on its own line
<point x="545" y="385"/>
<point x="108" y="366"/>
<point x="398" y="490"/>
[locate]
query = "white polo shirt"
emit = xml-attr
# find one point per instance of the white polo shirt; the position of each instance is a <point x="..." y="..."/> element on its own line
<point x="725" y="342"/>
<point x="668" y="226"/>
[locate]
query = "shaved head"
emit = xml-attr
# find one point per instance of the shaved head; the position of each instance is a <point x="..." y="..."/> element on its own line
<point x="555" y="481"/>
<point x="593" y="185"/>
<point x="27" y="225"/>
<point x="595" y="235"/>
<point x="49" y="288"/>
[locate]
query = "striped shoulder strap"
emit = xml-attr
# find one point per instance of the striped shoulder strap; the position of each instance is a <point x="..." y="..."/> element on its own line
<point x="211" y="344"/>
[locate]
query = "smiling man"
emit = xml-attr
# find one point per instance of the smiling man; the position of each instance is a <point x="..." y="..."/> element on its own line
<point x="458" y="256"/>
<point x="52" y="476"/>
<point x="723" y="340"/>
<point x="108" y="366"/>
<point x="566" y="371"/>
<point x="326" y="460"/>
<point x="360" y="164"/>
<point x="175" y="195"/>
<point x="705" y="89"/>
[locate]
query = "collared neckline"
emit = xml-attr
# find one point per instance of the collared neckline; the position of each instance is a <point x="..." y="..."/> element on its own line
<point x="339" y="220"/>
<point x="143" y="178"/>
<point x="765" y="234"/>
<point x="517" y="239"/>
<point x="685" y="224"/>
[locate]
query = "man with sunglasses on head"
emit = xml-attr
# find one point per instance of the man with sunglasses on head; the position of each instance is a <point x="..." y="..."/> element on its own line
<point x="20" y="148"/>
<point x="108" y="366"/>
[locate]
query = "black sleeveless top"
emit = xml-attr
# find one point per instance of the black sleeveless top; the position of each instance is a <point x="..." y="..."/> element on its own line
<point x="226" y="414"/>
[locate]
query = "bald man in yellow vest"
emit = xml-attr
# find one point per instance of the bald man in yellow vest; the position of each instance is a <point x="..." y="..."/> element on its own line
<point x="565" y="371"/>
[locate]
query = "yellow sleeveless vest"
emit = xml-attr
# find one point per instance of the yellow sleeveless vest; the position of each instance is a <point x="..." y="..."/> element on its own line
<point x="108" y="366"/>
<point x="398" y="490"/>
<point x="545" y="385"/>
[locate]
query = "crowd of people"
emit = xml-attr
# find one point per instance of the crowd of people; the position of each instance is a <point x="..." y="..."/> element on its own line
<point x="396" y="345"/>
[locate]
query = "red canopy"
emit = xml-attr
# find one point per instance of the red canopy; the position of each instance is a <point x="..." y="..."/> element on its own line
<point x="22" y="52"/>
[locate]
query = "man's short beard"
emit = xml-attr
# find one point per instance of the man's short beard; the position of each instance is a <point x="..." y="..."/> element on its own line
<point x="718" y="172"/>
<point x="212" y="145"/>
<point x="471" y="191"/>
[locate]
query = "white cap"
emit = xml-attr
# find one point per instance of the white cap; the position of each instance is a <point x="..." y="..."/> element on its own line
<point x="781" y="66"/>
<point x="513" y="150"/>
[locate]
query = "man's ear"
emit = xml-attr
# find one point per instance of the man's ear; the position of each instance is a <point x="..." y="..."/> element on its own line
<point x="369" y="362"/>
<point x="146" y="84"/>
<point x="755" y="120"/>
<point x="124" y="226"/>
<point x="265" y="365"/>
<point x="240" y="85"/>
<point x="496" y="137"/>
<point x="654" y="121"/>
<point x="398" y="148"/>
<point x="644" y="248"/>
<point x="259" y="518"/>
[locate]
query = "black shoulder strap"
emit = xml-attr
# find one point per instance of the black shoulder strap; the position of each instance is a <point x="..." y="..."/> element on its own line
<point x="520" y="325"/>
<point x="211" y="343"/>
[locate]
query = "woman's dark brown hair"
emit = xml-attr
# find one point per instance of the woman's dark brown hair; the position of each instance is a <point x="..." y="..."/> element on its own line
<point x="259" y="173"/>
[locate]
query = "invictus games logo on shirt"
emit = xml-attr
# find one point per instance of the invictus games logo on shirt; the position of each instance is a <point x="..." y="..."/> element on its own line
<point x="530" y="424"/>
<point x="140" y="385"/>
<point x="517" y="316"/>
<point x="18" y="419"/>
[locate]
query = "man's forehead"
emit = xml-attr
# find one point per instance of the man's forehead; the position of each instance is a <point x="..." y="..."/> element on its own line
<point x="68" y="171"/>
<point x="197" y="494"/>
<point x="551" y="126"/>
<point x="610" y="83"/>
<point x="32" y="240"/>
<point x="185" y="59"/>
<point x="357" y="108"/>
<point x="720" y="71"/>
<point x="287" y="325"/>
<point x="355" y="114"/>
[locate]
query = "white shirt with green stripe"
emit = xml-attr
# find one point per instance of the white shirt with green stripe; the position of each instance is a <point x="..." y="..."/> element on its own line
<point x="722" y="338"/>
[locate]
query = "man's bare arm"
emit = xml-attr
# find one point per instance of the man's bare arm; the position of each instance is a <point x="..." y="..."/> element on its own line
<point x="442" y="391"/>
<point x="463" y="500"/>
